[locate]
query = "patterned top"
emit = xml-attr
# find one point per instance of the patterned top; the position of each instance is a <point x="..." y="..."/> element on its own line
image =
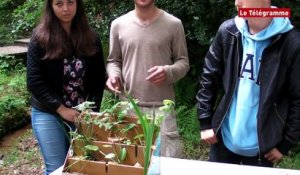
<point x="73" y="89"/>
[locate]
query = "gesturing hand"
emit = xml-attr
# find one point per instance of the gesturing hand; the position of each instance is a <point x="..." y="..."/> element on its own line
<point x="113" y="83"/>
<point x="157" y="75"/>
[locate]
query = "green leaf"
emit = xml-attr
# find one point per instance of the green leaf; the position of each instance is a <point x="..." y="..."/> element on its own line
<point x="123" y="154"/>
<point x="127" y="142"/>
<point x="148" y="129"/>
<point x="128" y="127"/>
<point x="91" y="148"/>
<point x="169" y="102"/>
<point x="110" y="156"/>
<point x="84" y="106"/>
<point x="138" y="136"/>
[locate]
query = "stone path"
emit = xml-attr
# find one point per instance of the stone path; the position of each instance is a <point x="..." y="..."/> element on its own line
<point x="19" y="47"/>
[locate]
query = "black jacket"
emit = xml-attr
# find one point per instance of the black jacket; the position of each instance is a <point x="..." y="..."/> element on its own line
<point x="279" y="102"/>
<point x="45" y="78"/>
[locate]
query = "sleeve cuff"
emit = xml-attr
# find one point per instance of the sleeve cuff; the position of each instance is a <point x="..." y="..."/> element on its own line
<point x="205" y="123"/>
<point x="284" y="146"/>
<point x="168" y="70"/>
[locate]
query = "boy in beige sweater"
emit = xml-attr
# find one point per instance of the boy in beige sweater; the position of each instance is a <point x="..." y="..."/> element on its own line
<point x="147" y="55"/>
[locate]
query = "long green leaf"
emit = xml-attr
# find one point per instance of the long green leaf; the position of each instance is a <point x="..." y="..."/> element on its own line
<point x="148" y="130"/>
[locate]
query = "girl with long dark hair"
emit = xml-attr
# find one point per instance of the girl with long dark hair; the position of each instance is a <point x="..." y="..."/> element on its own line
<point x="64" y="56"/>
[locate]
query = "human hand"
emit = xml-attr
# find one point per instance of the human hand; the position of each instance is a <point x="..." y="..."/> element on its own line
<point x="208" y="136"/>
<point x="274" y="155"/>
<point x="157" y="74"/>
<point x="68" y="114"/>
<point x="113" y="83"/>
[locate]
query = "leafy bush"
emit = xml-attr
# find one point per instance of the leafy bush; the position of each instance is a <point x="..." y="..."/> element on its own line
<point x="13" y="102"/>
<point x="9" y="63"/>
<point x="295" y="9"/>
<point x="14" y="98"/>
<point x="6" y="9"/>
<point x="4" y="38"/>
<point x="26" y="16"/>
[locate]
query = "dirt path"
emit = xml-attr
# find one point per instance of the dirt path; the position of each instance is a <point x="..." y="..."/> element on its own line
<point x="19" y="154"/>
<point x="9" y="140"/>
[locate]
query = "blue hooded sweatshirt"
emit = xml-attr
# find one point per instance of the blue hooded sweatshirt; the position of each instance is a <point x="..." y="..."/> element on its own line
<point x="239" y="128"/>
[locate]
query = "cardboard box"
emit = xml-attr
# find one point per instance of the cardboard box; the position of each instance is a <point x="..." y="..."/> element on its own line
<point x="131" y="165"/>
<point x="103" y="166"/>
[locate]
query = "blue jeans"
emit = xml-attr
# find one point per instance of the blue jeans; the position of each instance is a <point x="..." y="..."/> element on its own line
<point x="52" y="134"/>
<point x="219" y="153"/>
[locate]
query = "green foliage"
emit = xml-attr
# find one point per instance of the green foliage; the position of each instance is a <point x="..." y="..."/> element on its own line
<point x="6" y="9"/>
<point x="295" y="9"/>
<point x="185" y="95"/>
<point x="200" y="18"/>
<point x="19" y="18"/>
<point x="105" y="48"/>
<point x="292" y="160"/>
<point x="149" y="131"/>
<point x="8" y="4"/>
<point x="186" y="113"/>
<point x="13" y="95"/>
<point x="13" y="102"/>
<point x="101" y="13"/>
<point x="9" y="63"/>
<point x="26" y="16"/>
<point x="109" y="100"/>
<point x="5" y="39"/>
<point x="188" y="125"/>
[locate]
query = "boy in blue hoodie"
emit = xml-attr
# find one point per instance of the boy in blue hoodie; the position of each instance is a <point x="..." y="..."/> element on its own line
<point x="255" y="63"/>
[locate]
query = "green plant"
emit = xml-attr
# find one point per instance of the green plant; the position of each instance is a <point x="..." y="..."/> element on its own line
<point x="101" y="120"/>
<point x="108" y="100"/>
<point x="26" y="16"/>
<point x="14" y="102"/>
<point x="119" y="111"/>
<point x="292" y="160"/>
<point x="114" y="117"/>
<point x="85" y="145"/>
<point x="6" y="9"/>
<point x="9" y="63"/>
<point x="82" y="144"/>
<point x="115" y="156"/>
<point x="188" y="124"/>
<point x="150" y="127"/>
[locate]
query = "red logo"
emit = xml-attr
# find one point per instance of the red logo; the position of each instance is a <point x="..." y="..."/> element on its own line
<point x="264" y="12"/>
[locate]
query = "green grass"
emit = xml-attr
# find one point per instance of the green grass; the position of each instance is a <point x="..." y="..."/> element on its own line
<point x="292" y="160"/>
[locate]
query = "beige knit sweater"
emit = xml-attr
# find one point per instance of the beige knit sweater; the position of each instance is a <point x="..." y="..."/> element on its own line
<point x="135" y="48"/>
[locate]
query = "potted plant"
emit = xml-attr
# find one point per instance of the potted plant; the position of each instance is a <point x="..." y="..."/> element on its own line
<point x="113" y="140"/>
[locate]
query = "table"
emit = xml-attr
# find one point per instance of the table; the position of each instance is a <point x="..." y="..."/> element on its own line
<point x="174" y="166"/>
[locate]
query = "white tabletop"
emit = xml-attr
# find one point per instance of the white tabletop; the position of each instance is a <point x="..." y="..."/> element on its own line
<point x="172" y="166"/>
